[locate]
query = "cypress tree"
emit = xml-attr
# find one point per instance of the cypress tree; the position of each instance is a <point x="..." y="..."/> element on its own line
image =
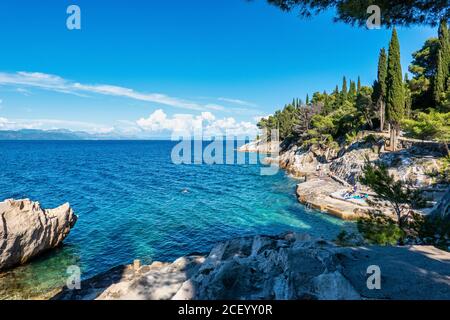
<point x="444" y="45"/>
<point x="359" y="85"/>
<point x="438" y="87"/>
<point x="442" y="64"/>
<point x="336" y="90"/>
<point x="344" y="89"/>
<point x="352" y="91"/>
<point x="408" y="97"/>
<point x="395" y="95"/>
<point x="380" y="87"/>
<point x="307" y="99"/>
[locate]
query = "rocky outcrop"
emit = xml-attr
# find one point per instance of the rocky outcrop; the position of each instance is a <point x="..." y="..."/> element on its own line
<point x="289" y="266"/>
<point x="412" y="165"/>
<point x="298" y="162"/>
<point x="26" y="230"/>
<point x="260" y="146"/>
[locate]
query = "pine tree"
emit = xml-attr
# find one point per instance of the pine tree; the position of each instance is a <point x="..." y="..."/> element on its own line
<point x="359" y="85"/>
<point x="443" y="63"/>
<point x="395" y="102"/>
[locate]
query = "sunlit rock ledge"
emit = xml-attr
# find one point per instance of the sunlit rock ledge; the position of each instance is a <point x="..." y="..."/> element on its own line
<point x="289" y="266"/>
<point x="26" y="230"/>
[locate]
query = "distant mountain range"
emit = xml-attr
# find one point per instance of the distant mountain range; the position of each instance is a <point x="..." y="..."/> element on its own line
<point x="33" y="134"/>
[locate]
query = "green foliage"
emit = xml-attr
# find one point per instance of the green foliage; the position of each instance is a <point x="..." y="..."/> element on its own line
<point x="443" y="64"/>
<point x="322" y="122"/>
<point x="322" y="131"/>
<point x="379" y="87"/>
<point x="327" y="128"/>
<point x="344" y="91"/>
<point x="352" y="91"/>
<point x="283" y="120"/>
<point x="408" y="97"/>
<point x="425" y="59"/>
<point x="351" y="137"/>
<point x="382" y="74"/>
<point x="434" y="225"/>
<point x="395" y="100"/>
<point x="354" y="12"/>
<point x="364" y="105"/>
<point x="379" y="229"/>
<point x="386" y="188"/>
<point x="429" y="126"/>
<point x="371" y="139"/>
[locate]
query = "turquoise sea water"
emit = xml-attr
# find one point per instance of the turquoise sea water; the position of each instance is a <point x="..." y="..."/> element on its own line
<point x="131" y="205"/>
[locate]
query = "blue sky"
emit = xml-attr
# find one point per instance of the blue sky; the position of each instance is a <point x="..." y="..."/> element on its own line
<point x="223" y="61"/>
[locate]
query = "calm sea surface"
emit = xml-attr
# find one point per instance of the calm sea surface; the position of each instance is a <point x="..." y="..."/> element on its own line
<point x="134" y="203"/>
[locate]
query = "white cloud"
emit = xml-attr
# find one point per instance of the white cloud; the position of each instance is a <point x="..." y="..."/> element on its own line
<point x="238" y="102"/>
<point x="188" y="124"/>
<point x="259" y="118"/>
<point x="59" y="84"/>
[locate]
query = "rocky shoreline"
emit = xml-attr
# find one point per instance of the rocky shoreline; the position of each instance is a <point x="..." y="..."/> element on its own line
<point x="340" y="171"/>
<point x="286" y="267"/>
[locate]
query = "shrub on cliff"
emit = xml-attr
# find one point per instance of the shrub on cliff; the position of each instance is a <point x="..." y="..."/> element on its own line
<point x="397" y="193"/>
<point x="380" y="229"/>
<point x="432" y="126"/>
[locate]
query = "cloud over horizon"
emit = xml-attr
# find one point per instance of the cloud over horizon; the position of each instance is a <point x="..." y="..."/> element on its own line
<point x="205" y="124"/>
<point x="159" y="122"/>
<point x="58" y="84"/>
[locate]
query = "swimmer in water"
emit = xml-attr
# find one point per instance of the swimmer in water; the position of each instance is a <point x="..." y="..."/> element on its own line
<point x="185" y="191"/>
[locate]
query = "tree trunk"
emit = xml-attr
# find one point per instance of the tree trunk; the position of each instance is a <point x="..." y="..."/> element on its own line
<point x="397" y="135"/>
<point x="392" y="145"/>
<point x="381" y="115"/>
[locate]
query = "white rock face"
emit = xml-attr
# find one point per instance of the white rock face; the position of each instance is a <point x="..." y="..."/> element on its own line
<point x="27" y="230"/>
<point x="260" y="146"/>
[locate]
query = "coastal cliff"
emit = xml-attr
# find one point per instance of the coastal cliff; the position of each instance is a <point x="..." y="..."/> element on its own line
<point x="26" y="230"/>
<point x="289" y="266"/>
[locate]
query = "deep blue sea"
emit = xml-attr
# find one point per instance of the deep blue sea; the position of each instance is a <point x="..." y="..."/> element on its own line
<point x="134" y="203"/>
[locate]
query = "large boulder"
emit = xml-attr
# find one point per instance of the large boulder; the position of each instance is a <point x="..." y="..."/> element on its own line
<point x="26" y="230"/>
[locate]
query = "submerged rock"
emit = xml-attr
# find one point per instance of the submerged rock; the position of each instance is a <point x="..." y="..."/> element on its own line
<point x="26" y="230"/>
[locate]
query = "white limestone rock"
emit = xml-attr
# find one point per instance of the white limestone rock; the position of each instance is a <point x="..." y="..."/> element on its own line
<point x="26" y="230"/>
